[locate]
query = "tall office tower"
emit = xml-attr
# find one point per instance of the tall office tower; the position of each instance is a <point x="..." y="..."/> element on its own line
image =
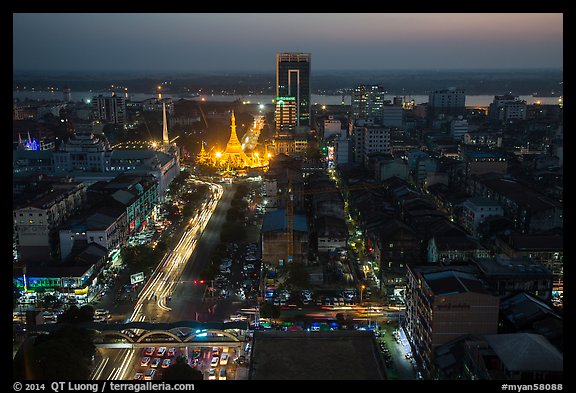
<point x="450" y="101"/>
<point x="367" y="102"/>
<point x="293" y="80"/>
<point x="109" y="109"/>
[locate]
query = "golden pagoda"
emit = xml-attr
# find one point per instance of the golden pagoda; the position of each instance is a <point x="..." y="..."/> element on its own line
<point x="233" y="157"/>
<point x="203" y="157"/>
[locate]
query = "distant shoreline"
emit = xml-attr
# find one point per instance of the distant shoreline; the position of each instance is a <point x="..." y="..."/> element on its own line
<point x="472" y="100"/>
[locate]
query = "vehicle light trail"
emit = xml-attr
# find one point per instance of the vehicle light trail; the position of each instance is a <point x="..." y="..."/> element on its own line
<point x="167" y="275"/>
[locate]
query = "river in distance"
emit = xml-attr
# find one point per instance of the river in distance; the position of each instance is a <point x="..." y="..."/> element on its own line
<point x="86" y="96"/>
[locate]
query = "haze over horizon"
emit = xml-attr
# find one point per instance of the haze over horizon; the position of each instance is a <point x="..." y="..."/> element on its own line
<point x="201" y="43"/>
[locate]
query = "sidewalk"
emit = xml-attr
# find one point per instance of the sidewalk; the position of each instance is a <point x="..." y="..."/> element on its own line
<point x="242" y="373"/>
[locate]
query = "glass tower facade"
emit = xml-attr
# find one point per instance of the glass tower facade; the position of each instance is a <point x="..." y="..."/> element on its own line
<point x="293" y="80"/>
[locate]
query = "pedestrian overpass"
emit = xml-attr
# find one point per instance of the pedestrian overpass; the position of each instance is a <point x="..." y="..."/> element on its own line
<point x="175" y="334"/>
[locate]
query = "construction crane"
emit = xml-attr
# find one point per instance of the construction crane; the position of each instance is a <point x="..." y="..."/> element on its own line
<point x="202" y="113"/>
<point x="290" y="222"/>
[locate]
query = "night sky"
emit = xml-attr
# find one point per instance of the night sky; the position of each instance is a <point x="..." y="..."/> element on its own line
<point x="249" y="42"/>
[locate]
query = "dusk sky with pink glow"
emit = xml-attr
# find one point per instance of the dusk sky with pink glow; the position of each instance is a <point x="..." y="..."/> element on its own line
<point x="249" y="42"/>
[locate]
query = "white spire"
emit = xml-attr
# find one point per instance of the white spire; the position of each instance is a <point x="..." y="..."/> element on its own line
<point x="165" y="140"/>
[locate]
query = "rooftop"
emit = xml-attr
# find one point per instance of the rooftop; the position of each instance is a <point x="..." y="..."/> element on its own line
<point x="331" y="226"/>
<point x="526" y="352"/>
<point x="393" y="227"/>
<point x="522" y="309"/>
<point x="463" y="242"/>
<point x="451" y="282"/>
<point x="332" y="355"/>
<point x="43" y="201"/>
<point x="519" y="193"/>
<point x="482" y="154"/>
<point x="91" y="254"/>
<point x="503" y="265"/>
<point x="140" y="154"/>
<point x="535" y="243"/>
<point x="276" y="221"/>
<point x="479" y="201"/>
<point x="125" y="197"/>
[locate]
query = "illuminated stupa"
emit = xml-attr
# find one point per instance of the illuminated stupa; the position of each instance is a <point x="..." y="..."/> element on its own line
<point x="233" y="157"/>
<point x="203" y="157"/>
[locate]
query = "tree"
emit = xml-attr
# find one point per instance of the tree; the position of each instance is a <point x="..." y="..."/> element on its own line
<point x="238" y="204"/>
<point x="233" y="215"/>
<point x="188" y="210"/>
<point x="47" y="357"/>
<point x="180" y="370"/>
<point x="232" y="232"/>
<point x="77" y="315"/>
<point x="172" y="212"/>
<point x="142" y="256"/>
<point x="49" y="299"/>
<point x="349" y="322"/>
<point x="298" y="276"/>
<point x="269" y="310"/>
<point x="161" y="247"/>
<point x="241" y="191"/>
<point x="313" y="153"/>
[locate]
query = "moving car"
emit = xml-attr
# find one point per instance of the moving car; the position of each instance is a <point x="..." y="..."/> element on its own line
<point x="172" y="352"/>
<point x="224" y="359"/>
<point x="149" y="351"/>
<point x="155" y="362"/>
<point x="138" y="376"/>
<point x="149" y="374"/>
<point x="145" y="361"/>
<point x="161" y="352"/>
<point x="100" y="312"/>
<point x="214" y="362"/>
<point x="165" y="363"/>
<point x="212" y="374"/>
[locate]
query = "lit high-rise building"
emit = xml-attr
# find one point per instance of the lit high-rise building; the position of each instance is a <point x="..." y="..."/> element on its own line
<point x="293" y="80"/>
<point x="367" y="102"/>
<point x="286" y="116"/>
<point x="109" y="109"/>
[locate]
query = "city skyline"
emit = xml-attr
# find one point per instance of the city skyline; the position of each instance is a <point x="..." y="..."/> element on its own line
<point x="236" y="196"/>
<point x="249" y="42"/>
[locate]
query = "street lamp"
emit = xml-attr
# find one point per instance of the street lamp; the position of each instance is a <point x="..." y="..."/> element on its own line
<point x="362" y="288"/>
